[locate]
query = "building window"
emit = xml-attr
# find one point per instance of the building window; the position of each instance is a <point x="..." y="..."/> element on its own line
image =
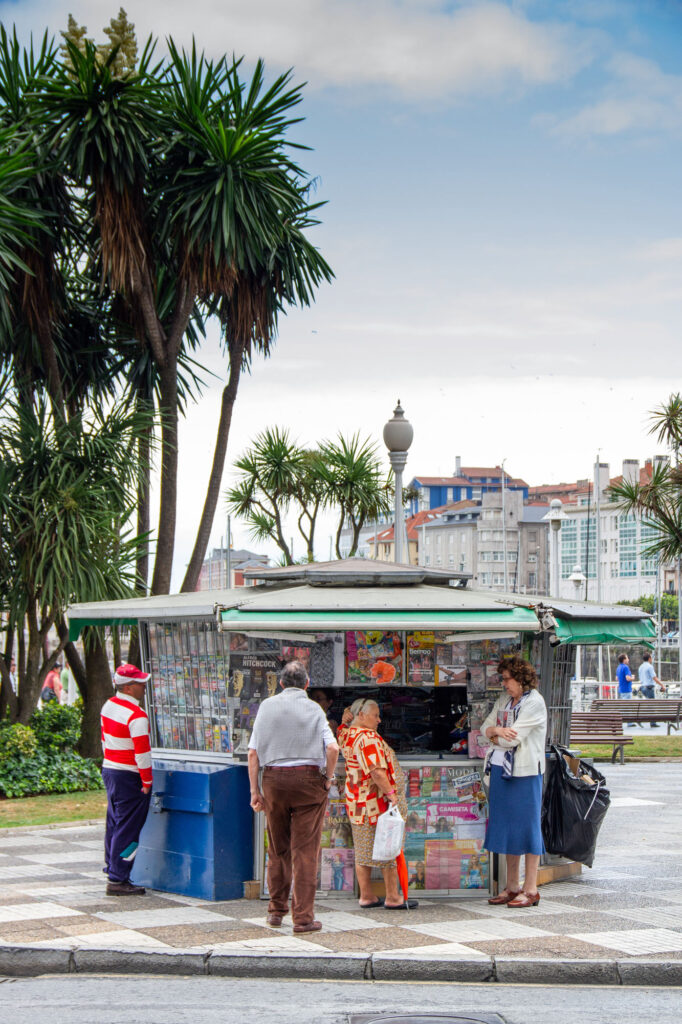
<point x="427" y="559"/>
<point x="532" y="579"/>
<point x="532" y="558"/>
<point x="485" y="579"/>
<point x="485" y="556"/>
<point x="532" y="537"/>
<point x="451" y="559"/>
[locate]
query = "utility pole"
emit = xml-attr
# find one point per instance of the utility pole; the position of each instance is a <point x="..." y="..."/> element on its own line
<point x="597" y="518"/>
<point x="228" y="557"/>
<point x="504" y="532"/>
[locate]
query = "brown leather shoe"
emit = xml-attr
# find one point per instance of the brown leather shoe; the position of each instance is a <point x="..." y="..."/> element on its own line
<point x="124" y="889"/>
<point x="274" y="920"/>
<point x="504" y="897"/>
<point x="525" y="899"/>
<point x="313" y="926"/>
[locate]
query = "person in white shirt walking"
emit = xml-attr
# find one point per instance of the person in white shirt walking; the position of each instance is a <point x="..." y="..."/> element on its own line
<point x="648" y="681"/>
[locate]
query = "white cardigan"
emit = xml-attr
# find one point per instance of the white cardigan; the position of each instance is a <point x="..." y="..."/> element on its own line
<point x="531" y="729"/>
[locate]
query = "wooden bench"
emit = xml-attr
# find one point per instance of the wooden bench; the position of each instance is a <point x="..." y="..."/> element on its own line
<point x="604" y="727"/>
<point x="641" y="709"/>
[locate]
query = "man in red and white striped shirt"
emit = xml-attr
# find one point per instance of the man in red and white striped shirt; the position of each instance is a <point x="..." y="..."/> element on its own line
<point x="127" y="775"/>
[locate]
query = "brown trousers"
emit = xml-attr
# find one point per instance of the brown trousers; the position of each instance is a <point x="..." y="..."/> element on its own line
<point x="295" y="803"/>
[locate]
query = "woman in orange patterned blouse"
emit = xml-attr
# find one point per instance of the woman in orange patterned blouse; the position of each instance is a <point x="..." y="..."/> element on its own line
<point x="374" y="782"/>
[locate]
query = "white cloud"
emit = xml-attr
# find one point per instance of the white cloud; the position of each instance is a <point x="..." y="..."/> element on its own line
<point x="423" y="48"/>
<point x="639" y="98"/>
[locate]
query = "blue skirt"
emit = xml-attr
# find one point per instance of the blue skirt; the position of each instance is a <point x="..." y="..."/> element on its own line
<point x="514" y="814"/>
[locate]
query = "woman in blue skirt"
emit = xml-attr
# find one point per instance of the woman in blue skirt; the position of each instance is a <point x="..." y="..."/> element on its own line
<point x="515" y="763"/>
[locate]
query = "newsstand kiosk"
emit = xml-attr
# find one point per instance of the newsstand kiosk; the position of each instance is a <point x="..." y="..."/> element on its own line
<point x="417" y="640"/>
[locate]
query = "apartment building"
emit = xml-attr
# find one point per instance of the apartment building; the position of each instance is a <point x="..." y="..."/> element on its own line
<point x="474" y="537"/>
<point x="627" y="571"/>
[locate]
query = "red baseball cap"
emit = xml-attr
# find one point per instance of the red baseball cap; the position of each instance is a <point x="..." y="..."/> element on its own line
<point x="126" y="674"/>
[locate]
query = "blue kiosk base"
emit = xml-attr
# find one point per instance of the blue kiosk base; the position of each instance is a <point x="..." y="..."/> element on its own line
<point x="198" y="837"/>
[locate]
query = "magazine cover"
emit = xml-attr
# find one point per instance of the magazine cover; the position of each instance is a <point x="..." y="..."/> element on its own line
<point x="451" y="675"/>
<point x="416" y="874"/>
<point x="374" y="657"/>
<point x="477" y="680"/>
<point x="337" y="871"/>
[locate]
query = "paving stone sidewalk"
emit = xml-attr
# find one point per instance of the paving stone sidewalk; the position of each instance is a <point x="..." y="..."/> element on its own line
<point x="629" y="907"/>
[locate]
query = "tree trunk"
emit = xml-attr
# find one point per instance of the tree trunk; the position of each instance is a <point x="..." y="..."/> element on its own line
<point x="213" y="491"/>
<point x="144" y="448"/>
<point x="35" y="669"/>
<point x="98" y="689"/>
<point x="163" y="565"/>
<point x="8" y="698"/>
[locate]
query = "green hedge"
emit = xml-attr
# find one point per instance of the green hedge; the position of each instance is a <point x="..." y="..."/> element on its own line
<point x="40" y="757"/>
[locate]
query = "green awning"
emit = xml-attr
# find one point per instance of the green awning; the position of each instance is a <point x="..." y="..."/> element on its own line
<point x="76" y="625"/>
<point x="506" y="619"/>
<point x="605" y="631"/>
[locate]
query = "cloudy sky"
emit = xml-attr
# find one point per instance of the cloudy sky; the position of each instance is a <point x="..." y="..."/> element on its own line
<point x="503" y="217"/>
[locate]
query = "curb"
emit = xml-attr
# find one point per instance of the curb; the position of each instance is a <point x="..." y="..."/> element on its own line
<point x="29" y="961"/>
<point x="80" y="823"/>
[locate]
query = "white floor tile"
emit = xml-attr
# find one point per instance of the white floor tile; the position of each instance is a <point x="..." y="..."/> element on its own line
<point x="631" y="801"/>
<point x="69" y="893"/>
<point x="278" y="943"/>
<point x="640" y="941"/>
<point x="69" y="857"/>
<point x="163" y="916"/>
<point x="545" y="908"/>
<point x="36" y="911"/>
<point x="332" y="921"/>
<point x="122" y="939"/>
<point x="475" y="931"/>
<point x="671" y="916"/>
<point x="28" y="871"/>
<point x="32" y="840"/>
<point x="572" y="889"/>
<point x="444" y="951"/>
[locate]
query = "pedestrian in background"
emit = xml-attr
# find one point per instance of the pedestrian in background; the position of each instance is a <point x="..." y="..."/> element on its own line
<point x="648" y="681"/>
<point x="625" y="679"/>
<point x="295" y="748"/>
<point x="127" y="775"/>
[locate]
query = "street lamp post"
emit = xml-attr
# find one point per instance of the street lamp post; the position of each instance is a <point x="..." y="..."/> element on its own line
<point x="577" y="578"/>
<point x="554" y="518"/>
<point x="398" y="434"/>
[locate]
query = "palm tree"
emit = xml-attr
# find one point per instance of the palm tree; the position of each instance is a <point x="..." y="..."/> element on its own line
<point x="65" y="533"/>
<point x="271" y="482"/>
<point x="354" y="484"/>
<point x="659" y="501"/>
<point x="191" y="187"/>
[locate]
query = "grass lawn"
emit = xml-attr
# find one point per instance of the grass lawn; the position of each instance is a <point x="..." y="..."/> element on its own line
<point x="642" y="746"/>
<point x="44" y="810"/>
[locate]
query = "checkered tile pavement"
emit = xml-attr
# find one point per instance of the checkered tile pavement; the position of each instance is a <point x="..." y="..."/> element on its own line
<point x="52" y="894"/>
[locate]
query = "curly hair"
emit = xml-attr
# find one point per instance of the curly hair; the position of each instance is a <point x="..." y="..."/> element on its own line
<point x="520" y="670"/>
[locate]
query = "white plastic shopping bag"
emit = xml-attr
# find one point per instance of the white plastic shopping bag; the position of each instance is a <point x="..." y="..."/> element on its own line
<point x="388" y="839"/>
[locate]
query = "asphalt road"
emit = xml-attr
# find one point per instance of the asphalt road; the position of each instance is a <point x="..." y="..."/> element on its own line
<point x="164" y="1000"/>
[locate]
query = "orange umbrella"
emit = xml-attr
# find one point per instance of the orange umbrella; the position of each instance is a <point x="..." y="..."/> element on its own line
<point x="401" y="865"/>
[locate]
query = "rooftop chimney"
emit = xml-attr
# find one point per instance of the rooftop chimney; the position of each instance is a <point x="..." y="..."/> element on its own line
<point x="631" y="471"/>
<point x="458" y="465"/>
<point x="601" y="474"/>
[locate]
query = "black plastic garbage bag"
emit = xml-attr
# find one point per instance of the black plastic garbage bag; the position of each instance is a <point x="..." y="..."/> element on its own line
<point x="573" y="809"/>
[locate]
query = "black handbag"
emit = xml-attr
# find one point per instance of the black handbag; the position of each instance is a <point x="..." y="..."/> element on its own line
<point x="573" y="808"/>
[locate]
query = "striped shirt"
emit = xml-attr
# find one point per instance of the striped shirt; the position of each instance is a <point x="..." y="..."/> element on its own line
<point x="125" y="737"/>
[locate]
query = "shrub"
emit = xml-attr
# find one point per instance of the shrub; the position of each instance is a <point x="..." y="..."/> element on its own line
<point x="45" y="772"/>
<point x="16" y="741"/>
<point x="58" y="726"/>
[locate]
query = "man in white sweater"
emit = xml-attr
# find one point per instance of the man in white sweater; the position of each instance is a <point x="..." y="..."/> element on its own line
<point x="295" y="748"/>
